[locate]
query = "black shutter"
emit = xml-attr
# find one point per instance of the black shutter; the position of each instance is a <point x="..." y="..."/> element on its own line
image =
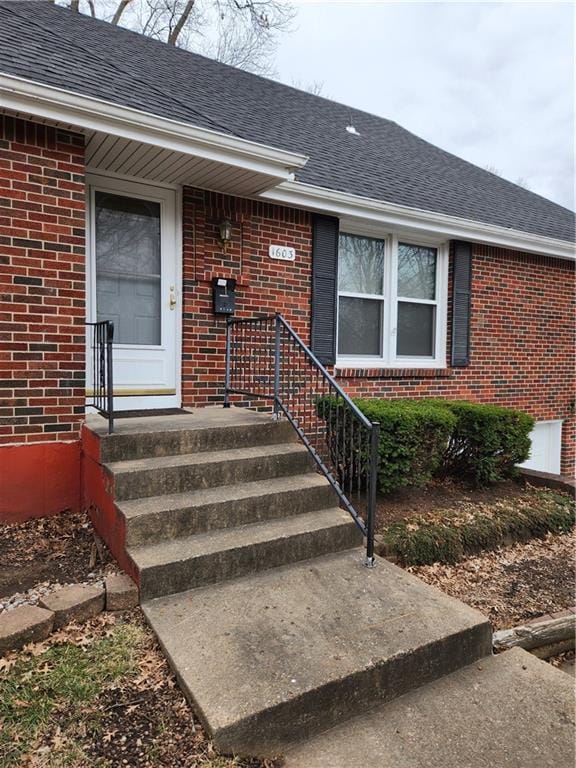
<point x="324" y="288"/>
<point x="461" y="299"/>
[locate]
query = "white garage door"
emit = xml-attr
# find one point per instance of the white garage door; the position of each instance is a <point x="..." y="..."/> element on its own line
<point x="546" y="445"/>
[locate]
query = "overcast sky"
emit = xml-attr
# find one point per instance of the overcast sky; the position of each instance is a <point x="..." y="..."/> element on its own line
<point x="490" y="82"/>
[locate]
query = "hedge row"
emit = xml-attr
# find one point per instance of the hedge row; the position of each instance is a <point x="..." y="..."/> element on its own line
<point x="422" y="439"/>
<point x="450" y="535"/>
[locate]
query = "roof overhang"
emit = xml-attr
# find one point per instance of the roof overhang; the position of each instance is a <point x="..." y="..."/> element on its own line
<point x="361" y="212"/>
<point x="266" y="166"/>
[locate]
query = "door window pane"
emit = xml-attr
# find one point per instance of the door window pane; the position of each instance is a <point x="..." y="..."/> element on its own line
<point x="416" y="272"/>
<point x="415" y="332"/>
<point x="360" y="265"/>
<point x="128" y="276"/>
<point x="359" y="326"/>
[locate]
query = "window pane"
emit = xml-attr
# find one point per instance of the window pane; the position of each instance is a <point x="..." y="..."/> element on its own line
<point x="416" y="272"/>
<point x="359" y="326"/>
<point x="360" y="264"/>
<point x="416" y="324"/>
<point x="128" y="267"/>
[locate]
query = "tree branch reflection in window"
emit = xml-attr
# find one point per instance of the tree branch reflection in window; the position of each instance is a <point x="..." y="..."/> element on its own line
<point x="128" y="267"/>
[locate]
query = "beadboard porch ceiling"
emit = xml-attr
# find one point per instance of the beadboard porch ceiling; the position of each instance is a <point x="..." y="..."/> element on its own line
<point x="125" y="157"/>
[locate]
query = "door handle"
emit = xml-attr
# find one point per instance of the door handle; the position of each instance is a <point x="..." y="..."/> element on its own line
<point x="172" y="301"/>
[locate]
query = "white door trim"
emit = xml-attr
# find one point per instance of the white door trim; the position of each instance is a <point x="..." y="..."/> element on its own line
<point x="146" y="398"/>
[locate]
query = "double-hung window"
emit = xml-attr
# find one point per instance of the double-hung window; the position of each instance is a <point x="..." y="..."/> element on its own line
<point x="391" y="303"/>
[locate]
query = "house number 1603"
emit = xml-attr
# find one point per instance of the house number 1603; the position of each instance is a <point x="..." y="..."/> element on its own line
<point x="282" y="252"/>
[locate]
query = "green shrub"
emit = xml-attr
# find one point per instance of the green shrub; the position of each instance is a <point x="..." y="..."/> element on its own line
<point x="449" y="535"/>
<point x="487" y="443"/>
<point x="420" y="439"/>
<point x="415" y="544"/>
<point x="413" y="439"/>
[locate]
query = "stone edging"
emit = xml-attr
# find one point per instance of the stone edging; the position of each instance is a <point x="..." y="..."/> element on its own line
<point x="77" y="602"/>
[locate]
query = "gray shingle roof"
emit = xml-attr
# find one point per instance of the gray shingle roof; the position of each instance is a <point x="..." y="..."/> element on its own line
<point x="52" y="45"/>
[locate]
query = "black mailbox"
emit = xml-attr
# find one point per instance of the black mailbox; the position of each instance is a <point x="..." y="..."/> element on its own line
<point x="224" y="295"/>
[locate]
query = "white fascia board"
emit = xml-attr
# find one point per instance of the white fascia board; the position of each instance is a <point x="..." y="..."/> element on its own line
<point x="86" y="112"/>
<point x="397" y="218"/>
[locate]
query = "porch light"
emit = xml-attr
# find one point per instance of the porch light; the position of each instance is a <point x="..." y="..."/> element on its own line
<point x="225" y="233"/>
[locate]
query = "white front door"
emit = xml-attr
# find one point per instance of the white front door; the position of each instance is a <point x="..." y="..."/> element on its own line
<point x="133" y="269"/>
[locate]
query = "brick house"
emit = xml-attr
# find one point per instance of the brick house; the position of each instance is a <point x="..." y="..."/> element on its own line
<point x="135" y="176"/>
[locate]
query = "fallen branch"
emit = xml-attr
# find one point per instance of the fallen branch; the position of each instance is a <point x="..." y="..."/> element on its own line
<point x="536" y="635"/>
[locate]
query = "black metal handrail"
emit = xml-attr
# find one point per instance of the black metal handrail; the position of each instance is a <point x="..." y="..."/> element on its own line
<point x="102" y="370"/>
<point x="267" y="361"/>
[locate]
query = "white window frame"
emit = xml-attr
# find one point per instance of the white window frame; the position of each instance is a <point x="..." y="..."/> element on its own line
<point x="390" y="299"/>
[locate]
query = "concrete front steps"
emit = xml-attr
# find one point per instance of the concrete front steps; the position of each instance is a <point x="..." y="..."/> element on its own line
<point x="253" y="580"/>
<point x="180" y="564"/>
<point x="287" y="653"/>
<point x="215" y="495"/>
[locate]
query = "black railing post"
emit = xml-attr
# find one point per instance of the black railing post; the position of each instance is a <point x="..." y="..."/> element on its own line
<point x="370" y="561"/>
<point x="110" y="366"/>
<point x="277" y="340"/>
<point x="228" y="363"/>
<point x="103" y="370"/>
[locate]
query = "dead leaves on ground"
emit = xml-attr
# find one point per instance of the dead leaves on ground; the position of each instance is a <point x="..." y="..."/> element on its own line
<point x="140" y="719"/>
<point x="512" y="584"/>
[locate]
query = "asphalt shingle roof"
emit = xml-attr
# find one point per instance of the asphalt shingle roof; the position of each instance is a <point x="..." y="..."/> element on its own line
<point x="52" y="45"/>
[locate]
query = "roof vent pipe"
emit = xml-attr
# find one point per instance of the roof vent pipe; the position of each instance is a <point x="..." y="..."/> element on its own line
<point x="350" y="127"/>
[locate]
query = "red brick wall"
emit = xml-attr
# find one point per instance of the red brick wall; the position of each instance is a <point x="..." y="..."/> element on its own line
<point x="522" y="344"/>
<point x="263" y="285"/>
<point x="42" y="282"/>
<point x="522" y="332"/>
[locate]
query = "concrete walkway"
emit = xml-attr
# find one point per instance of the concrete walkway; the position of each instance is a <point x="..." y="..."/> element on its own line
<point x="281" y="655"/>
<point x="507" y="711"/>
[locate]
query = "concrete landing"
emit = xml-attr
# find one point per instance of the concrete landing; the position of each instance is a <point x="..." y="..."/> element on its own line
<point x="195" y="418"/>
<point x="507" y="711"/>
<point x="202" y="429"/>
<point x="287" y="653"/>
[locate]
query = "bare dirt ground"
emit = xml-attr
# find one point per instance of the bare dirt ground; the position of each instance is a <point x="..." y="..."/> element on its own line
<point x="101" y="695"/>
<point x="55" y="549"/>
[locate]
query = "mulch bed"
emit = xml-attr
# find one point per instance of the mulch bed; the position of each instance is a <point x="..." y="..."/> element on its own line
<point x="446" y="494"/>
<point x="513" y="584"/>
<point x="57" y="549"/>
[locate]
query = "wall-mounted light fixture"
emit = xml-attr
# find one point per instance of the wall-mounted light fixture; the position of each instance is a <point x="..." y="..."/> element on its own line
<point x="225" y="233"/>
